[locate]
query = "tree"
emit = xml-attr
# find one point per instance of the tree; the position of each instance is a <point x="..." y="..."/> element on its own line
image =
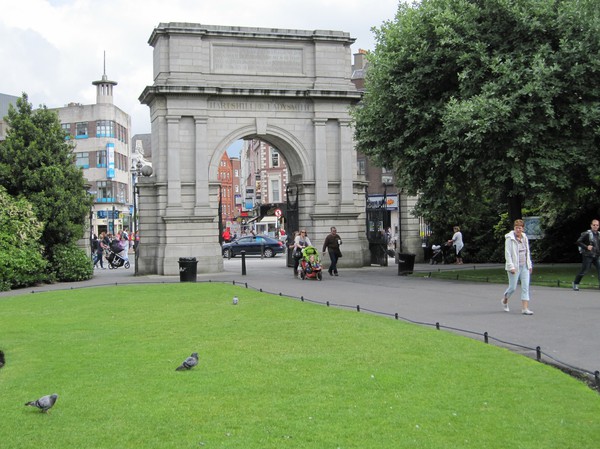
<point x="36" y="162"/>
<point x="486" y="100"/>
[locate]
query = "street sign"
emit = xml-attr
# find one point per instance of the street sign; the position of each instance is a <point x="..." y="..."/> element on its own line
<point x="278" y="213"/>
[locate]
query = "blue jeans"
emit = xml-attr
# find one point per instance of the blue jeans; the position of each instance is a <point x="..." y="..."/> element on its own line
<point x="513" y="279"/>
<point x="98" y="258"/>
<point x="586" y="263"/>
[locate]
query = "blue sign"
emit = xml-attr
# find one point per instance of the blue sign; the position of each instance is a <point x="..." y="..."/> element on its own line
<point x="110" y="157"/>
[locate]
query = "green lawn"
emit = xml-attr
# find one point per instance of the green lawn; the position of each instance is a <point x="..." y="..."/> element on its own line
<point x="544" y="275"/>
<point x="274" y="373"/>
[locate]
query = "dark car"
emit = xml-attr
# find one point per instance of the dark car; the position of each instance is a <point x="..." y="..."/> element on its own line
<point x="254" y="245"/>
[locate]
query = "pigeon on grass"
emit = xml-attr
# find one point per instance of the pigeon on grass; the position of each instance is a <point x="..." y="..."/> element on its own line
<point x="188" y="363"/>
<point x="44" y="403"/>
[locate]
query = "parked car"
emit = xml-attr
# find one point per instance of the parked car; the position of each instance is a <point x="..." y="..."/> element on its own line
<point x="254" y="245"/>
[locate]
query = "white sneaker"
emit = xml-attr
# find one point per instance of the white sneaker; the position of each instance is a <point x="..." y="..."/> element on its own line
<point x="505" y="305"/>
<point x="526" y="312"/>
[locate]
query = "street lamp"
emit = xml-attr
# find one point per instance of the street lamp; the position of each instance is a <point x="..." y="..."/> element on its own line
<point x="136" y="171"/>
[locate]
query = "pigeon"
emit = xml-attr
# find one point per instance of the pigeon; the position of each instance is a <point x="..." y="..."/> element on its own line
<point x="189" y="363"/>
<point x="44" y="403"/>
<point x="2" y="360"/>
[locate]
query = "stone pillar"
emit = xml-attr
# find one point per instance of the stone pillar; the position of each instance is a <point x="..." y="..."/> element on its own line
<point x="173" y="166"/>
<point x="347" y="158"/>
<point x="320" y="164"/>
<point x="202" y="206"/>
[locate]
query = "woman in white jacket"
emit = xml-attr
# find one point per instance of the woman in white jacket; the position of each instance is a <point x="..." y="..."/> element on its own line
<point x="518" y="266"/>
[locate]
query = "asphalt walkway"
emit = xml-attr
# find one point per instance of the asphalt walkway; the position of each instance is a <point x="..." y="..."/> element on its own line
<point x="564" y="326"/>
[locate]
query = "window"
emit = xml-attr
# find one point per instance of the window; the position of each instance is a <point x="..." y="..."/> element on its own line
<point x="236" y="173"/>
<point x="82" y="160"/>
<point x="275" y="195"/>
<point x="66" y="127"/>
<point x="105" y="128"/>
<point x="101" y="158"/>
<point x="362" y="167"/>
<point x="81" y="130"/>
<point x="274" y="158"/>
<point x="104" y="192"/>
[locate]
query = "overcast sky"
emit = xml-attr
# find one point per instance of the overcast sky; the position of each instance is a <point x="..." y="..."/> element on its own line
<point x="53" y="49"/>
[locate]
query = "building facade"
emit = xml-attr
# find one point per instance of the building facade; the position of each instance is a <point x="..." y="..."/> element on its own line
<point x="5" y="101"/>
<point x="101" y="134"/>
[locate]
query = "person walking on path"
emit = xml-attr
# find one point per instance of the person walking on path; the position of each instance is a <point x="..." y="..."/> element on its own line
<point x="332" y="245"/>
<point x="518" y="266"/>
<point x="300" y="241"/>
<point x="98" y="256"/>
<point x="589" y="246"/>
<point x="457" y="242"/>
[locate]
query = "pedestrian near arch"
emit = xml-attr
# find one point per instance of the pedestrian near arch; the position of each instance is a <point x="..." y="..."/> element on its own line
<point x="457" y="242"/>
<point x="332" y="245"/>
<point x="300" y="241"/>
<point x="589" y="246"/>
<point x="518" y="266"/>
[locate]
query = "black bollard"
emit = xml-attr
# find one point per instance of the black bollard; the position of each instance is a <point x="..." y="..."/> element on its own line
<point x="243" y="253"/>
<point x="538" y="353"/>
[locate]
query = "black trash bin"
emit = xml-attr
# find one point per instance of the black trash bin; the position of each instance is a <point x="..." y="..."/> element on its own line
<point x="187" y="269"/>
<point x="406" y="264"/>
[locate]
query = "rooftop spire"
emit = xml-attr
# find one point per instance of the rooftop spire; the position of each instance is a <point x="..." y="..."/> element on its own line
<point x="104" y="87"/>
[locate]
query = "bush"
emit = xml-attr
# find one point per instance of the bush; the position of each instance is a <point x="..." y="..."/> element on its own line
<point x="21" y="261"/>
<point x="70" y="264"/>
<point x="21" y="267"/>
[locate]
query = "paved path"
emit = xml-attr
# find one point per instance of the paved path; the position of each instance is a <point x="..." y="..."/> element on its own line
<point x="565" y="324"/>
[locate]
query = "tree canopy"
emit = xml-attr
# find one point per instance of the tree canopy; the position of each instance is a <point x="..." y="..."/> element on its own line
<point x="36" y="162"/>
<point x="480" y="102"/>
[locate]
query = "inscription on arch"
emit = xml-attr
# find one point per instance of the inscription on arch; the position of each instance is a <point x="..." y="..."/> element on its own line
<point x="242" y="60"/>
<point x="272" y="106"/>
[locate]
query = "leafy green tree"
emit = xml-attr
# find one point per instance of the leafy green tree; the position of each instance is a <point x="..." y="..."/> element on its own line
<point x="21" y="261"/>
<point x="482" y="102"/>
<point x="38" y="163"/>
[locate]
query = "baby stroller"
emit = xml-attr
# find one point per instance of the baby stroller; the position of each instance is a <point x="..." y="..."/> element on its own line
<point x="439" y="254"/>
<point x="310" y="265"/>
<point x="117" y="256"/>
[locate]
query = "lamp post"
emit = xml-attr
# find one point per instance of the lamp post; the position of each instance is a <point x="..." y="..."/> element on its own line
<point x="136" y="171"/>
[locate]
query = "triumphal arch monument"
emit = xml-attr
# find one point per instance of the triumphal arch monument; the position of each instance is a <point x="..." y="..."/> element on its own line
<point x="214" y="85"/>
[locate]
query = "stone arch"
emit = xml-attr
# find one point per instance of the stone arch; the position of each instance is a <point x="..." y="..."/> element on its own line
<point x="216" y="84"/>
<point x="289" y="145"/>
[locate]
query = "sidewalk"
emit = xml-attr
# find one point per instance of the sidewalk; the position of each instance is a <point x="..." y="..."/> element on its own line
<point x="565" y="324"/>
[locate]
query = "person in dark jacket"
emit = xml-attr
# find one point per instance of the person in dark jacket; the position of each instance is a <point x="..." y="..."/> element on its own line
<point x="98" y="245"/>
<point x="332" y="245"/>
<point x="589" y="245"/>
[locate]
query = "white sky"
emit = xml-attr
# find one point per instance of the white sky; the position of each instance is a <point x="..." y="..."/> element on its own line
<point x="53" y="49"/>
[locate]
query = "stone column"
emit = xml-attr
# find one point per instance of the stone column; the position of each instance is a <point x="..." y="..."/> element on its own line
<point x="320" y="164"/>
<point x="202" y="206"/>
<point x="347" y="158"/>
<point x="173" y="166"/>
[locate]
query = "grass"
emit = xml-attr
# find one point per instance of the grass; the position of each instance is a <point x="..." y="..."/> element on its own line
<point x="548" y="276"/>
<point x="273" y="373"/>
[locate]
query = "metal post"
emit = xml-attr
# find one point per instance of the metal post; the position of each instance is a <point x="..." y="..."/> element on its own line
<point x="91" y="233"/>
<point x="243" y="253"/>
<point x="136" y="246"/>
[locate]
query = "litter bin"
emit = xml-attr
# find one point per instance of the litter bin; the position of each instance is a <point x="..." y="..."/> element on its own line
<point x="406" y="264"/>
<point x="187" y="269"/>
